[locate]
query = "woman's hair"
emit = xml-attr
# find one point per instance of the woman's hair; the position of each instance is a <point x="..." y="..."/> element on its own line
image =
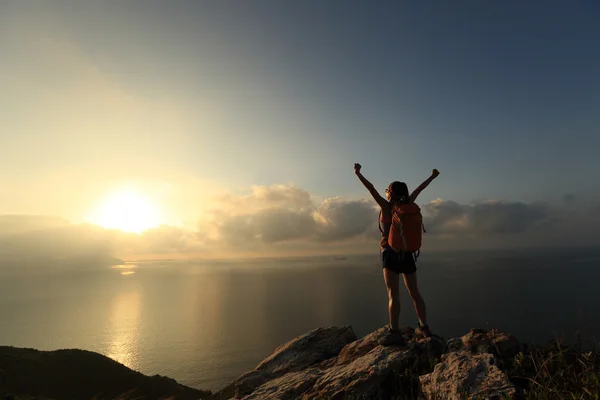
<point x="399" y="192"/>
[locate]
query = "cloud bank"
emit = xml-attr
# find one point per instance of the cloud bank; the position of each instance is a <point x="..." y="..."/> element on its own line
<point x="285" y="220"/>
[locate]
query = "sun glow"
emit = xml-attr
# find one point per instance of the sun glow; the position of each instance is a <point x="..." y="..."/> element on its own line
<point x="128" y="211"/>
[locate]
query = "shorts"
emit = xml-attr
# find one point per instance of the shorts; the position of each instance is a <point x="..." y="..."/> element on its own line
<point x="400" y="263"/>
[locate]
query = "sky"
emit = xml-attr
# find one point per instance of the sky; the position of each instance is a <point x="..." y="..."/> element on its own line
<point x="234" y="126"/>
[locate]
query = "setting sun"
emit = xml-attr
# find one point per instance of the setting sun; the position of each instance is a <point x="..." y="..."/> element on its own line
<point x="126" y="210"/>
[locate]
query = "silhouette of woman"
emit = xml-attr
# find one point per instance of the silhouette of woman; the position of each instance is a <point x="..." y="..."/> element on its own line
<point x="394" y="263"/>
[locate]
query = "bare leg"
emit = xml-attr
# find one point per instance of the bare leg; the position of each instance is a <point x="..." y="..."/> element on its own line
<point x="392" y="282"/>
<point x="410" y="281"/>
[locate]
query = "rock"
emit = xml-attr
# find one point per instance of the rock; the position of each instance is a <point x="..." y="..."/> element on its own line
<point x="298" y="354"/>
<point x="456" y="344"/>
<point x="494" y="342"/>
<point x="428" y="347"/>
<point x="289" y="386"/>
<point x="361" y="347"/>
<point x="465" y="376"/>
<point x="370" y="376"/>
<point x="362" y="369"/>
<point x="506" y="345"/>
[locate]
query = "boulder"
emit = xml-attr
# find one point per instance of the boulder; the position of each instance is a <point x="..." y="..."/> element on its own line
<point x="462" y="375"/>
<point x="296" y="355"/>
<point x="361" y="369"/>
<point x="494" y="342"/>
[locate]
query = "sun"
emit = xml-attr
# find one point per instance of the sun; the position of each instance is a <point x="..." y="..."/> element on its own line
<point x="126" y="210"/>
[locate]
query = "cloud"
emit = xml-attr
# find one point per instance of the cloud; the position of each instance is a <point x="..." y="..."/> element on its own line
<point x="275" y="225"/>
<point x="286" y="197"/>
<point x="163" y="241"/>
<point x="88" y="246"/>
<point x="280" y="213"/>
<point x="14" y="224"/>
<point x="491" y="217"/>
<point x="339" y="219"/>
<point x="569" y="198"/>
<point x="37" y="246"/>
<point x="285" y="220"/>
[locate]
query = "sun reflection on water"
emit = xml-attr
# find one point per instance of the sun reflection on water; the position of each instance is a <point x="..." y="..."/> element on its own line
<point x="127" y="269"/>
<point x="124" y="327"/>
<point x="124" y="266"/>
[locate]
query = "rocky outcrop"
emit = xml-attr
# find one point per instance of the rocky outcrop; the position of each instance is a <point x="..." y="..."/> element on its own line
<point x="331" y="363"/>
<point x="473" y="368"/>
<point x="296" y="355"/>
<point x="495" y="342"/>
<point x="462" y="376"/>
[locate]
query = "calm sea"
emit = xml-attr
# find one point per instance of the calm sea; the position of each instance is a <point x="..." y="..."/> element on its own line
<point x="204" y="324"/>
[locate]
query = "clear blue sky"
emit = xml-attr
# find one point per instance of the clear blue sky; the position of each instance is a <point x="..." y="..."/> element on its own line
<point x="502" y="97"/>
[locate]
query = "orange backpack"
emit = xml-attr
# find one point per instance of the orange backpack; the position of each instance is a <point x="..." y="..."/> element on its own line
<point x="407" y="227"/>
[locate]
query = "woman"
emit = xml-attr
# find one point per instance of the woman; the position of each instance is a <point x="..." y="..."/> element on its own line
<point x="394" y="263"/>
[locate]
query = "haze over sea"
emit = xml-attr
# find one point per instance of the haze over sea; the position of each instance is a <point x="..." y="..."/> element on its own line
<point x="205" y="323"/>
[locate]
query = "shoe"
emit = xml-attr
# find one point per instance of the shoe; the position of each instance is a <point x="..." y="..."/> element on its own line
<point x="423" y="331"/>
<point x="392" y="338"/>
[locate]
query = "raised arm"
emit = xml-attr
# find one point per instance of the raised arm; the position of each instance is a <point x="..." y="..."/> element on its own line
<point x="380" y="200"/>
<point x="415" y="193"/>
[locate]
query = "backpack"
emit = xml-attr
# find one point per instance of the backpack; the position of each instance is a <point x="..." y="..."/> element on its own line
<point x="407" y="227"/>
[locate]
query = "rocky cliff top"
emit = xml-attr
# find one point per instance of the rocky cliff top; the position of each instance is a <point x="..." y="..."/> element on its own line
<point x="330" y="363"/>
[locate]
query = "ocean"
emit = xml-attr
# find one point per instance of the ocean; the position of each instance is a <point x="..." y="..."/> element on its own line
<point x="205" y="323"/>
